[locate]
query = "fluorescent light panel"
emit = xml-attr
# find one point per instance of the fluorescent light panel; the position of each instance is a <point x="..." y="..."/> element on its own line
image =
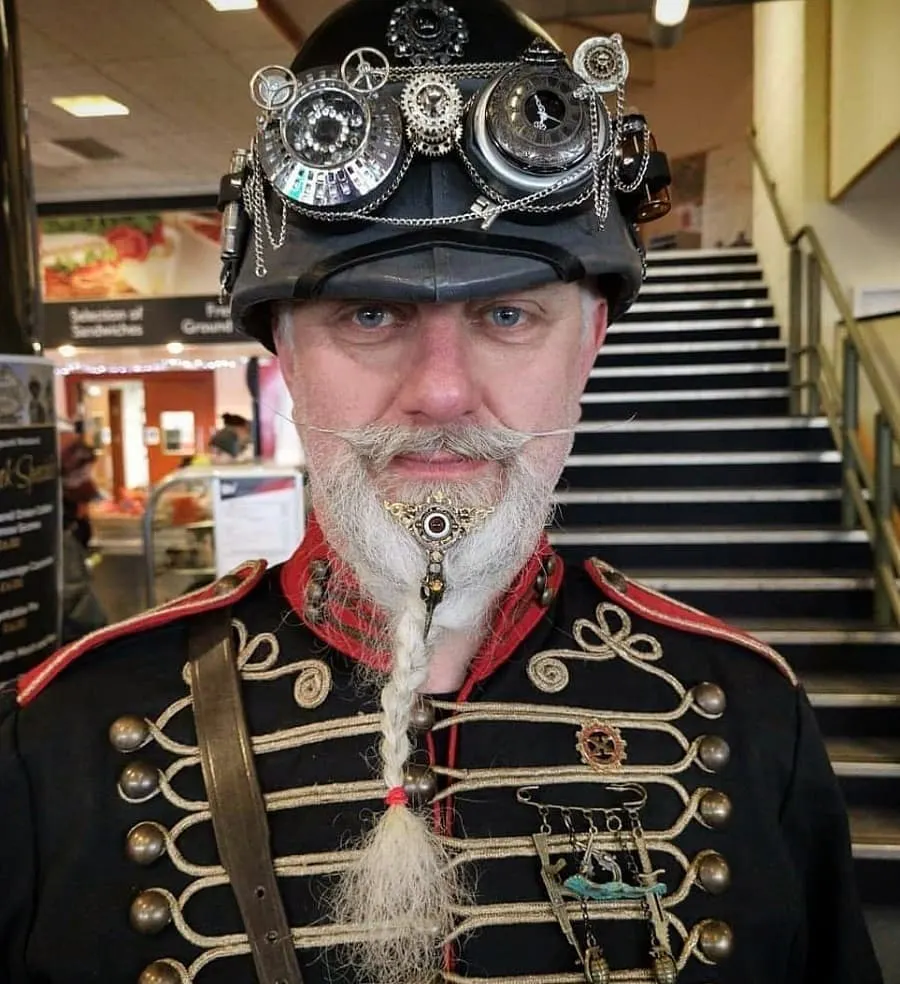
<point x="670" y="12"/>
<point x="224" y="5"/>
<point x="86" y="107"/>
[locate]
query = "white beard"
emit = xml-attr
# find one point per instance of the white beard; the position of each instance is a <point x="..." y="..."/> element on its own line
<point x="404" y="879"/>
<point x="389" y="563"/>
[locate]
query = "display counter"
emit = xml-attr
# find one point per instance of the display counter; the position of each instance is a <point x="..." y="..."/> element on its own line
<point x="202" y="522"/>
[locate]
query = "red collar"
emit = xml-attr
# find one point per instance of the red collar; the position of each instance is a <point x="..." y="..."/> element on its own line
<point x="339" y="615"/>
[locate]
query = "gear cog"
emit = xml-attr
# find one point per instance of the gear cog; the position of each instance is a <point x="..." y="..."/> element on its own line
<point x="432" y="108"/>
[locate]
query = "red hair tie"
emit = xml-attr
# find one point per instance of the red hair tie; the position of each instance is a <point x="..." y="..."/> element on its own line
<point x="396" y="796"/>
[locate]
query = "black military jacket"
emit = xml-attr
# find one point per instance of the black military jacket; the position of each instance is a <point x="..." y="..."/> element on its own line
<point x="590" y="693"/>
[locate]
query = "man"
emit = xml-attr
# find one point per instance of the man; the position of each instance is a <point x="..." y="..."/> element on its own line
<point x="231" y="443"/>
<point x="424" y="749"/>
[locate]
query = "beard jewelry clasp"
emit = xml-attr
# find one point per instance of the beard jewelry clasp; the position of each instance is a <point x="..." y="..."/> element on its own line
<point x="437" y="524"/>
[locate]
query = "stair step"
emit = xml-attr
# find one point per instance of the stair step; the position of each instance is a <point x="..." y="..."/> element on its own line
<point x="785" y="422"/>
<point x="775" y="549"/>
<point x="626" y="509"/>
<point x="678" y="376"/>
<point x="651" y="309"/>
<point x="699" y="459"/>
<point x="673" y="329"/>
<point x="875" y="758"/>
<point x="702" y="291"/>
<point x="823" y="634"/>
<point x="676" y="353"/>
<point x="676" y="404"/>
<point x="714" y="434"/>
<point x="665" y="395"/>
<point x="729" y="254"/>
<point x="707" y="535"/>
<point x="677" y="581"/>
<point x="701" y="470"/>
<point x="875" y="834"/>
<point x="740" y="597"/>
<point x="661" y="273"/>
<point x="850" y="690"/>
<point x="674" y="326"/>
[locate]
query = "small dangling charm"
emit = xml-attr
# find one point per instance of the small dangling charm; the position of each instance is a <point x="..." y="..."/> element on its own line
<point x="665" y="970"/>
<point x="433" y="586"/>
<point x="602" y="63"/>
<point x="596" y="966"/>
<point x="437" y="525"/>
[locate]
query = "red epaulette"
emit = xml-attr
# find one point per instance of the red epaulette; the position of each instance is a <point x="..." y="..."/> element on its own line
<point x="660" y="608"/>
<point x="226" y="591"/>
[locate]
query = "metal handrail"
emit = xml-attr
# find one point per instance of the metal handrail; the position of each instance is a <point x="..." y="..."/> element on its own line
<point x="866" y="493"/>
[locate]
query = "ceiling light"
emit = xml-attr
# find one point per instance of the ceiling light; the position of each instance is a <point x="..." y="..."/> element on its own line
<point x="175" y="348"/>
<point x="668" y="13"/>
<point x="90" y="106"/>
<point x="223" y="5"/>
<point x="67" y="351"/>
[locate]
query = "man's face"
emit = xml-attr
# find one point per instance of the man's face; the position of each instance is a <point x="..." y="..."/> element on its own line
<point x="519" y="361"/>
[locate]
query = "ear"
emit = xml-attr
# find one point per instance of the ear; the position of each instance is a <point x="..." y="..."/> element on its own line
<point x="284" y="349"/>
<point x="593" y="337"/>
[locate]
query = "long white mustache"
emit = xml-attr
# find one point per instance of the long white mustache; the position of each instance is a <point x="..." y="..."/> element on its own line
<point x="377" y="444"/>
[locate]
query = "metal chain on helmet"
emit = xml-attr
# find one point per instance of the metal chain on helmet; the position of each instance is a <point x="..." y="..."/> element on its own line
<point x="642" y="169"/>
<point x="600" y="167"/>
<point x="520" y="204"/>
<point x="473" y="70"/>
<point x="506" y="205"/>
<point x="255" y="203"/>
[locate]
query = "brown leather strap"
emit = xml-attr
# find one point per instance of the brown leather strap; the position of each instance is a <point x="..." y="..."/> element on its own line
<point x="235" y="801"/>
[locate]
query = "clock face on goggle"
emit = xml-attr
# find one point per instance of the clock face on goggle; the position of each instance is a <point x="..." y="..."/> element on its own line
<point x="536" y="121"/>
<point x="331" y="147"/>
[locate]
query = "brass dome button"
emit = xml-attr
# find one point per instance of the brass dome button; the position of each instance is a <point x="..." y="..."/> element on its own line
<point x="128" y="733"/>
<point x="139" y="781"/>
<point x="714" y="752"/>
<point x="716" y="940"/>
<point x="145" y="843"/>
<point x="159" y="972"/>
<point x="419" y="783"/>
<point x="715" y="809"/>
<point x="713" y="873"/>
<point x="150" y="913"/>
<point x="423" y="714"/>
<point x="709" y="697"/>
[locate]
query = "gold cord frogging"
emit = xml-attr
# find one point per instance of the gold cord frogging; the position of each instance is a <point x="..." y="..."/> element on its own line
<point x="609" y="637"/>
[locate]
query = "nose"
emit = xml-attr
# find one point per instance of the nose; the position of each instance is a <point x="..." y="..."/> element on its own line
<point x="441" y="385"/>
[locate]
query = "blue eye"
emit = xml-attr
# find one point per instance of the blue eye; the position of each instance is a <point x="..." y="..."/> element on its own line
<point x="372" y="317"/>
<point x="506" y="316"/>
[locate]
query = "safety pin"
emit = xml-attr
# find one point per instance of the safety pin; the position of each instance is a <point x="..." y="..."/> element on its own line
<point x="524" y="795"/>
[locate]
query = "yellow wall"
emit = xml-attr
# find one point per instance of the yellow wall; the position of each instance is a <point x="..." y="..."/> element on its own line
<point x="778" y="118"/>
<point x="865" y="86"/>
<point x="792" y="66"/>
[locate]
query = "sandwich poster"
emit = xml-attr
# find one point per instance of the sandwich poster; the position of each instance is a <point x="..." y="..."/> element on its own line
<point x="132" y="279"/>
<point x="139" y="256"/>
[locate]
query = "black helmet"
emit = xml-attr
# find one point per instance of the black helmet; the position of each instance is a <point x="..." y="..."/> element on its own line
<point x="419" y="150"/>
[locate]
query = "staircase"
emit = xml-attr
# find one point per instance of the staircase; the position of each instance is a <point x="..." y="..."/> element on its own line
<point x="714" y="494"/>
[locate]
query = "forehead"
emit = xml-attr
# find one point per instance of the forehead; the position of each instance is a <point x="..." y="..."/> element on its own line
<point x="552" y="299"/>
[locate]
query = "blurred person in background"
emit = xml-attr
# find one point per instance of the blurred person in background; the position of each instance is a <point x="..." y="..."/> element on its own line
<point x="232" y="443"/>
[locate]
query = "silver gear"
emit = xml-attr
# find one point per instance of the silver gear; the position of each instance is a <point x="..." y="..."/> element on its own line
<point x="438" y="148"/>
<point x="432" y="108"/>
